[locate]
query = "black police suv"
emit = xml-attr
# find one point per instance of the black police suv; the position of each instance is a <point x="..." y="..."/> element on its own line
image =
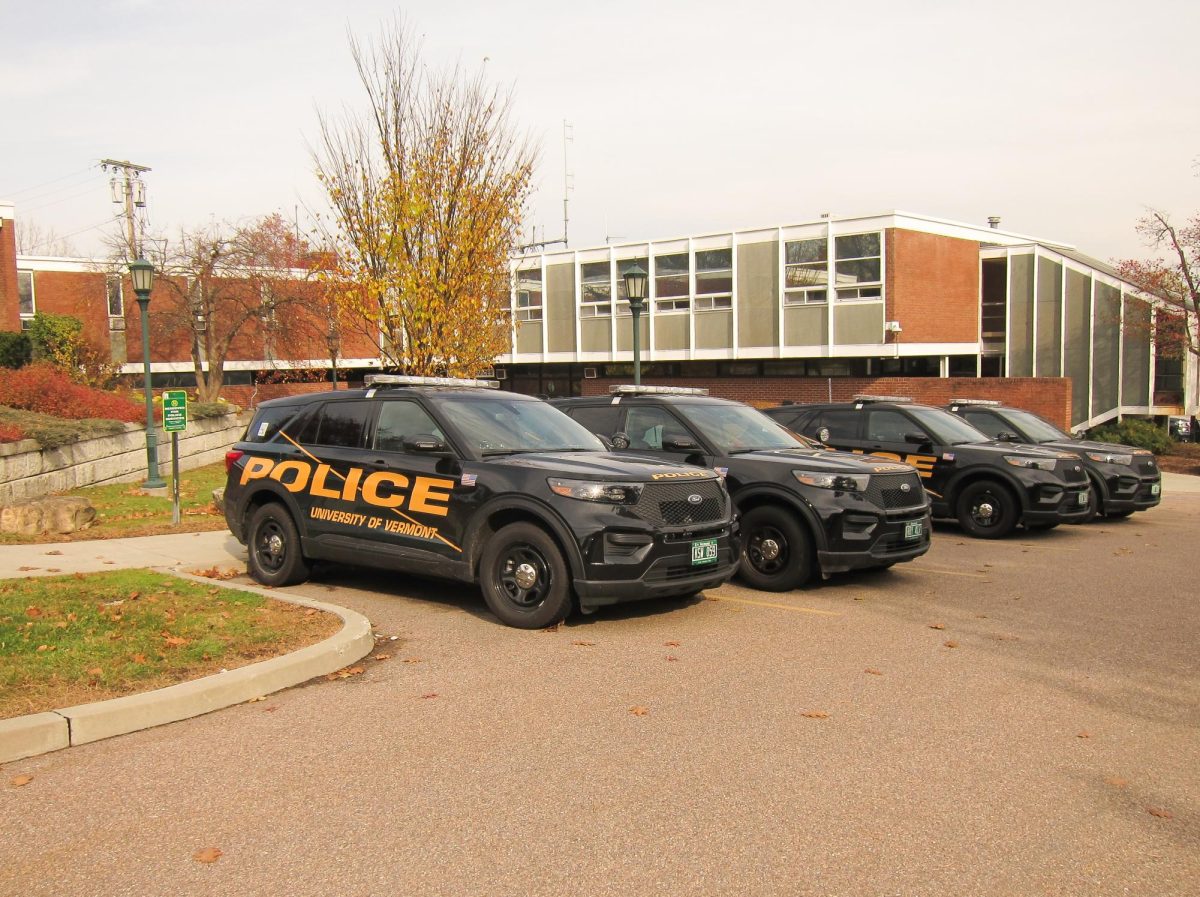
<point x="804" y="509"/>
<point x="1124" y="479"/>
<point x="448" y="478"/>
<point x="988" y="486"/>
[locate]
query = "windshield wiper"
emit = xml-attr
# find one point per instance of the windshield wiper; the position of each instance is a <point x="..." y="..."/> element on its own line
<point x="489" y="453"/>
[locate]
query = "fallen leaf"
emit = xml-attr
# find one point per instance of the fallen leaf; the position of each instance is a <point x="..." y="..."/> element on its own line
<point x="937" y="625"/>
<point x="412" y="660"/>
<point x="72" y="617"/>
<point x="61" y="624"/>
<point x="553" y="628"/>
<point x="951" y="644"/>
<point x="256" y="700"/>
<point x="1116" y="781"/>
<point x="139" y="658"/>
<point x="309" y="612"/>
<point x="432" y="694"/>
<point x="207" y="855"/>
<point x="134" y="596"/>
<point x="96" y="671"/>
<point x="344" y="673"/>
<point x="873" y="671"/>
<point x="175" y="641"/>
<point x="25" y="569"/>
<point x="672" y="657"/>
<point x="20" y="781"/>
<point x="582" y="644"/>
<point x="671" y="644"/>
<point x="54" y="570"/>
<point x="110" y="562"/>
<point x="43" y="647"/>
<point x="816" y="714"/>
<point x="55" y="551"/>
<point x="270" y="709"/>
<point x="382" y="657"/>
<point x="1160" y="812"/>
<point x="1084" y="735"/>
<point x="33" y="611"/>
<point x="640" y="711"/>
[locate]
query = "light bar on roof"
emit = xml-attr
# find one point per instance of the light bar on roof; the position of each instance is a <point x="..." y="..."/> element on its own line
<point x="375" y="380"/>
<point x="900" y="400"/>
<point x="629" y="389"/>
<point x="975" y="402"/>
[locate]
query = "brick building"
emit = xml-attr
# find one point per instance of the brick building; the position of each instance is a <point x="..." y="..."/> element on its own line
<point x="892" y="303"/>
<point x="842" y="305"/>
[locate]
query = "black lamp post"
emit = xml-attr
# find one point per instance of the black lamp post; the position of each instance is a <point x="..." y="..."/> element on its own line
<point x="635" y="291"/>
<point x="141" y="272"/>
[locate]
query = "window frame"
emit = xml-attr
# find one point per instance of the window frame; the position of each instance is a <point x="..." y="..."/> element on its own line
<point x="595" y="308"/>
<point x="27" y="317"/>
<point x="528" y="312"/>
<point x="719" y="300"/>
<point x="874" y="288"/>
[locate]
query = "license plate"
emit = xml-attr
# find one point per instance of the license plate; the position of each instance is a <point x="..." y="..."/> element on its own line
<point x="913" y="530"/>
<point x="1082" y="498"/>
<point x="704" y="551"/>
<point x="1156" y="488"/>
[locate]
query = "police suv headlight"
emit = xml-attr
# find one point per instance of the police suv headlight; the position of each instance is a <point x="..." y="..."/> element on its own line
<point x="1111" y="458"/>
<point x="609" y="493"/>
<point x="840" y="481"/>
<point x="1030" y="463"/>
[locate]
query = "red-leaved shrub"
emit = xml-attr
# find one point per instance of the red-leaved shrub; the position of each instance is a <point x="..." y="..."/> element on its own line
<point x="9" y="433"/>
<point x="43" y="387"/>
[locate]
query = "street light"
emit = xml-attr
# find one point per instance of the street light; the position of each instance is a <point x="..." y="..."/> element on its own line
<point x="635" y="291"/>
<point x="141" y="272"/>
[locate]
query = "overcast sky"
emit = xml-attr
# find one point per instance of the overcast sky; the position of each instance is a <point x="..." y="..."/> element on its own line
<point x="1066" y="119"/>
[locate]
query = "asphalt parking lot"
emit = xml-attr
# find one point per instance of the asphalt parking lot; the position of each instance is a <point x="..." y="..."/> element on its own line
<point x="1007" y="718"/>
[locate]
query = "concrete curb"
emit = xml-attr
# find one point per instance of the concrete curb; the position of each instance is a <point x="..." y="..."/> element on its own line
<point x="39" y="733"/>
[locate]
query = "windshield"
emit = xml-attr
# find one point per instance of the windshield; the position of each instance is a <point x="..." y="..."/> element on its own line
<point x="944" y="427"/>
<point x="738" y="428"/>
<point x="498" y="426"/>
<point x="1035" y="428"/>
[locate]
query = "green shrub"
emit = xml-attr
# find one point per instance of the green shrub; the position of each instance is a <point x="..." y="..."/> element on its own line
<point x="1139" y="433"/>
<point x="15" y="348"/>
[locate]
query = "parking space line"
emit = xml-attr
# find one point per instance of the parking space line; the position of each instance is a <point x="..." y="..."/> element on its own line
<point x="792" y="607"/>
<point x="951" y="572"/>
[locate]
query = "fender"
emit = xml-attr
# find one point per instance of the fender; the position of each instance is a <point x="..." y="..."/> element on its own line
<point x="277" y="492"/>
<point x="472" y="543"/>
<point x="779" y="495"/>
<point x="955" y="483"/>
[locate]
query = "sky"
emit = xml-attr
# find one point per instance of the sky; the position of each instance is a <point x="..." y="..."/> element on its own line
<point x="1069" y="120"/>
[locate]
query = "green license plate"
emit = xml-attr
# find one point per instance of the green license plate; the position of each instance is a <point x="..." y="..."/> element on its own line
<point x="914" y="530"/>
<point x="1155" y="488"/>
<point x="1083" y="498"/>
<point x="704" y="551"/>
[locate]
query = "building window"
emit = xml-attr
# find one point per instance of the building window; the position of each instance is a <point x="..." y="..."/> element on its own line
<point x="529" y="294"/>
<point x="595" y="290"/>
<point x="25" y="301"/>
<point x="116" y="296"/>
<point x="858" y="266"/>
<point x="806" y="271"/>
<point x="671" y="289"/>
<point x="624" y="265"/>
<point x="714" y="279"/>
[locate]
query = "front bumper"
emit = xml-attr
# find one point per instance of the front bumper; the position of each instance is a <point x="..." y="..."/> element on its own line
<point x="862" y="541"/>
<point x="1128" y="491"/>
<point x="1055" y="502"/>
<point x="633" y="566"/>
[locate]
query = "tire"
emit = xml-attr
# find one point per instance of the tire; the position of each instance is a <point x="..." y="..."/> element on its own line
<point x="987" y="510"/>
<point x="273" y="545"/>
<point x="524" y="578"/>
<point x="777" y="553"/>
<point x="1119" y="515"/>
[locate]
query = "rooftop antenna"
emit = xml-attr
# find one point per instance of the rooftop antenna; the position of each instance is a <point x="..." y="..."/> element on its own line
<point x="568" y="186"/>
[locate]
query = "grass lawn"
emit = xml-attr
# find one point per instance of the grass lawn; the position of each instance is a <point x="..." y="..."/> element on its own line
<point x="67" y="640"/>
<point x="123" y="509"/>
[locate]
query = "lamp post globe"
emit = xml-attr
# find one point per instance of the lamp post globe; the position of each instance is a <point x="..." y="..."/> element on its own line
<point x="141" y="272"/>
<point x="635" y="291"/>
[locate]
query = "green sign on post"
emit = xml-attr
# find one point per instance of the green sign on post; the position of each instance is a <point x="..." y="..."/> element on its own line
<point x="174" y="410"/>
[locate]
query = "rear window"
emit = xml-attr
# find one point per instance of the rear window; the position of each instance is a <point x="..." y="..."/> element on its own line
<point x="336" y="424"/>
<point x="601" y="419"/>
<point x="266" y="423"/>
<point x="842" y="423"/>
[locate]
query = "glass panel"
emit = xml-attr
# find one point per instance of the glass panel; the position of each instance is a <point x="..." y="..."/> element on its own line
<point x="398" y="419"/>
<point x="342" y="423"/>
<point x="714" y="282"/>
<point x="648" y="427"/>
<point x="674" y="285"/>
<point x="714" y="260"/>
<point x="806" y="251"/>
<point x="864" y="271"/>
<point x="856" y="246"/>
<point x="805" y="276"/>
<point x="892" y="426"/>
<point x="25" y="292"/>
<point x="116" y="306"/>
<point x="519" y="424"/>
<point x="595" y="285"/>
<point x="671" y="264"/>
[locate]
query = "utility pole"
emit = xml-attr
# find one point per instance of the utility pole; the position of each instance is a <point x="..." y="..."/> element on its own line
<point x="128" y="187"/>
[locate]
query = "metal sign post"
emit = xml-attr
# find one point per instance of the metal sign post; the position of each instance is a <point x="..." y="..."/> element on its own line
<point x="174" y="420"/>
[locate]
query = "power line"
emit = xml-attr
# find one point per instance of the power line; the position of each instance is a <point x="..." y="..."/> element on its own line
<point x="12" y="193"/>
<point x="89" y="189"/>
<point x="31" y="249"/>
<point x="70" y="185"/>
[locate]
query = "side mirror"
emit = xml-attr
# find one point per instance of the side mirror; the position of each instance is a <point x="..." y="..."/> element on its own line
<point x="680" y="444"/>
<point x="607" y="442"/>
<point x="619" y="441"/>
<point x="1009" y="436"/>
<point x="425" y="444"/>
<point x="918" y="439"/>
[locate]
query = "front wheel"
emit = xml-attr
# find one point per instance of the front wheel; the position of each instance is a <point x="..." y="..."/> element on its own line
<point x="273" y="547"/>
<point x="777" y="554"/>
<point x="524" y="578"/>
<point x="987" y="510"/>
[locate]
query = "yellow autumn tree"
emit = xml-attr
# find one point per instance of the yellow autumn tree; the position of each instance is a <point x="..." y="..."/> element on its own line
<point x="427" y="187"/>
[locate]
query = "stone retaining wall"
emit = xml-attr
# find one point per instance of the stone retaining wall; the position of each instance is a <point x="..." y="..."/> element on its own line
<point x="26" y="471"/>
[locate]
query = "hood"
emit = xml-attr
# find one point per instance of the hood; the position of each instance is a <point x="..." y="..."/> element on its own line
<point x="824" y="461"/>
<point x="996" y="448"/>
<point x="1092" y="445"/>
<point x="604" y="466"/>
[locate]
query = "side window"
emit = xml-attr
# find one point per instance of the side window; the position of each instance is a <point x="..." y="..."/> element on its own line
<point x="890" y="426"/>
<point x="987" y="423"/>
<point x="833" y="425"/>
<point x="268" y="422"/>
<point x="336" y="423"/>
<point x="599" y="419"/>
<point x="648" y="426"/>
<point x="398" y="419"/>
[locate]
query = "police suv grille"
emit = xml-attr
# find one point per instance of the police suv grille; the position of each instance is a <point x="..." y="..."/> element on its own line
<point x="669" y="504"/>
<point x="887" y="490"/>
<point x="1072" y="472"/>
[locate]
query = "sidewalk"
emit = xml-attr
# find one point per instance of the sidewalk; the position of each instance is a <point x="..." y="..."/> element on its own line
<point x="179" y="551"/>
